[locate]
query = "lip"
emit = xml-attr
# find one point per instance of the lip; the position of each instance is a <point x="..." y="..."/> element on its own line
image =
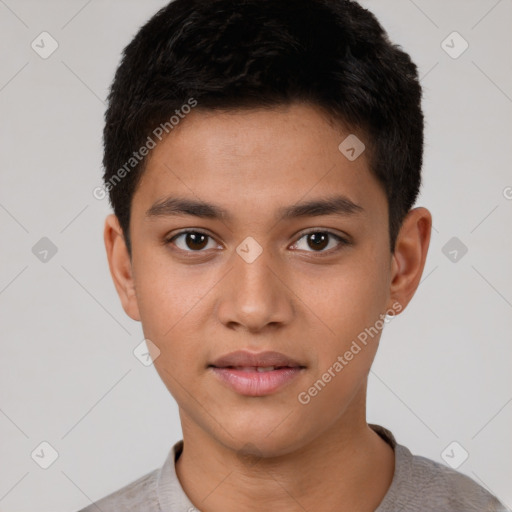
<point x="248" y="359"/>
<point x="239" y="370"/>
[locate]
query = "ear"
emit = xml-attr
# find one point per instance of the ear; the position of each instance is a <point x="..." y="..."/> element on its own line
<point x="120" y="266"/>
<point x="409" y="257"/>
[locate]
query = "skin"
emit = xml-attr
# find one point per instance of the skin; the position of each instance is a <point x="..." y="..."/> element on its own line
<point x="240" y="452"/>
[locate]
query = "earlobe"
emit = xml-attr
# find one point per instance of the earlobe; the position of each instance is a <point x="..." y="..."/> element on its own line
<point x="410" y="254"/>
<point x="120" y="266"/>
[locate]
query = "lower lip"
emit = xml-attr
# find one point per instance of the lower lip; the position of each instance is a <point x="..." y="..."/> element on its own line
<point x="254" y="383"/>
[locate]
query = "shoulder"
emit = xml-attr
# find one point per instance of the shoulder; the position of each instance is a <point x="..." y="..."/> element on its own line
<point x="421" y="484"/>
<point x="428" y="485"/>
<point x="141" y="494"/>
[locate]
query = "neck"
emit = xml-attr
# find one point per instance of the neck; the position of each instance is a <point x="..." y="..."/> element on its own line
<point x="347" y="467"/>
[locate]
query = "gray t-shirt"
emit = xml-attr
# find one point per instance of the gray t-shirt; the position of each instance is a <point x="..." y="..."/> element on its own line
<point x="419" y="485"/>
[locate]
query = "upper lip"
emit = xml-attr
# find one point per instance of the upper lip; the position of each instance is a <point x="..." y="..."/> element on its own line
<point x="262" y="359"/>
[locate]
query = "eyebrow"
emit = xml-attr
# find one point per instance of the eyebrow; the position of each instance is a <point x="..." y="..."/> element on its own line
<point x="335" y="205"/>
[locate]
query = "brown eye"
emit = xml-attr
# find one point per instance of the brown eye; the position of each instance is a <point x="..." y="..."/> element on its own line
<point x="318" y="241"/>
<point x="190" y="241"/>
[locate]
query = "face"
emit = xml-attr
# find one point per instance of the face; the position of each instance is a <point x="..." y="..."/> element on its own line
<point x="256" y="272"/>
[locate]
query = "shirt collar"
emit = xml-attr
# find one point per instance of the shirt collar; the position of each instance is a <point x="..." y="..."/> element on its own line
<point x="171" y="495"/>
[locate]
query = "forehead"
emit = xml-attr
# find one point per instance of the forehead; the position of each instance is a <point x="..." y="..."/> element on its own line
<point x="256" y="161"/>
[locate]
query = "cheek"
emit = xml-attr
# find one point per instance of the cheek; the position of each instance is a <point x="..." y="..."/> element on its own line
<point x="168" y="306"/>
<point x="349" y="303"/>
<point x="166" y="294"/>
<point x="346" y="300"/>
<point x="169" y="322"/>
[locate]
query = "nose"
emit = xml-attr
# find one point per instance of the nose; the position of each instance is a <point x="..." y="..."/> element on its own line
<point x="255" y="296"/>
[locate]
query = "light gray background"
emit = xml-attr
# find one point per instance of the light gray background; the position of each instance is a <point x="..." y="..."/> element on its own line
<point x="68" y="374"/>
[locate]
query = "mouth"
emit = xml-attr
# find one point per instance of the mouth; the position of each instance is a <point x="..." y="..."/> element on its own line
<point x="260" y="369"/>
<point x="256" y="381"/>
<point x="261" y="361"/>
<point x="256" y="374"/>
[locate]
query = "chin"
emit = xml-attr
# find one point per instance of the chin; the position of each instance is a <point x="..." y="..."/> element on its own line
<point x="265" y="447"/>
<point x="271" y="438"/>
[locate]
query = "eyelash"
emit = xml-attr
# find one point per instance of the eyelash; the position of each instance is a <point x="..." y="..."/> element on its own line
<point x="341" y="241"/>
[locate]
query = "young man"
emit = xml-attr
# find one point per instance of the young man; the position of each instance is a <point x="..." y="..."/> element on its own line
<point x="262" y="158"/>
